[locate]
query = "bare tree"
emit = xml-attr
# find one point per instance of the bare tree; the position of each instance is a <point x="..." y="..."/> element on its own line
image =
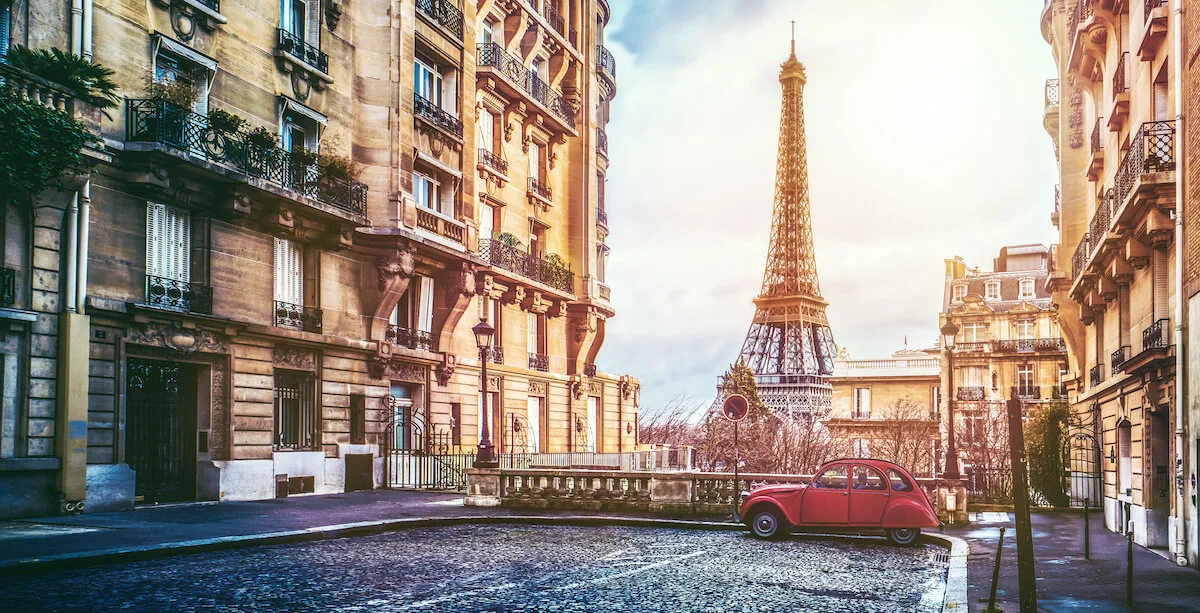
<point x="676" y="423"/>
<point x="906" y="436"/>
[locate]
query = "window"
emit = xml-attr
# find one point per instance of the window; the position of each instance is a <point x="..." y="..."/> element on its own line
<point x="1026" y="329"/>
<point x="495" y="312"/>
<point x="862" y="403"/>
<point x="168" y="257"/>
<point x="1125" y="461"/>
<point x="5" y="28"/>
<point x="973" y="428"/>
<point x="862" y="448"/>
<point x="533" y="413"/>
<point x="1024" y="379"/>
<point x="358" y="419"/>
<point x="487" y="221"/>
<point x="295" y="410"/>
<point x="935" y="399"/>
<point x="536" y="325"/>
<point x="866" y="478"/>
<point x="1026" y="289"/>
<point x="289" y="272"/>
<point x="405" y="434"/>
<point x="535" y="162"/>
<point x="172" y="68"/>
<point x="960" y="292"/>
<point x="302" y="19"/>
<point x="436" y="84"/>
<point x="427" y="192"/>
<point x="593" y="417"/>
<point x="834" y="478"/>
<point x="974" y="332"/>
<point x="900" y="483"/>
<point x="425" y="305"/>
<point x="992" y="291"/>
<point x="487" y="131"/>
<point x="487" y="34"/>
<point x="972" y="376"/>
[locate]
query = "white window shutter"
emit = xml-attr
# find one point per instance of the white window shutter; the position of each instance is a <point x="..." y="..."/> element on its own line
<point x="486" y="130"/>
<point x="532" y="335"/>
<point x="312" y="29"/>
<point x="535" y="155"/>
<point x="593" y="409"/>
<point x="289" y="272"/>
<point x="425" y="318"/>
<point x="534" y="415"/>
<point x="155" y="216"/>
<point x="168" y="242"/>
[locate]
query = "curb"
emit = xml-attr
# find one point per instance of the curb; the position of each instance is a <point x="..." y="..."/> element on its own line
<point x="365" y="528"/>
<point x="956" y="575"/>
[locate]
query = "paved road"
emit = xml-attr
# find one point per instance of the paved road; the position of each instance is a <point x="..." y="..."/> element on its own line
<point x="511" y="568"/>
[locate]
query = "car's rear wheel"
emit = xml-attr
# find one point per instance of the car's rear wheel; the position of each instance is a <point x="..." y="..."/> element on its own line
<point x="903" y="536"/>
<point x="767" y="524"/>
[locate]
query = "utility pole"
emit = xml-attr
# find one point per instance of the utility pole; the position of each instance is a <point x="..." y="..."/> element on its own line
<point x="1016" y="445"/>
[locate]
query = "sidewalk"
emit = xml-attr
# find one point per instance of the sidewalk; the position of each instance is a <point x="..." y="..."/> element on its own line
<point x="1065" y="580"/>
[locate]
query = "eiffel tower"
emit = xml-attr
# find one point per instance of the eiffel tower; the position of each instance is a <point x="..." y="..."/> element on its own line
<point x="789" y="346"/>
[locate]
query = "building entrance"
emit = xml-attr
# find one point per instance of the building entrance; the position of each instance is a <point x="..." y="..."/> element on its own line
<point x="161" y="429"/>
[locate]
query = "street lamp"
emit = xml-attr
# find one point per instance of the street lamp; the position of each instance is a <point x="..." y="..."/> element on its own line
<point x="949" y="331"/>
<point x="485" y="457"/>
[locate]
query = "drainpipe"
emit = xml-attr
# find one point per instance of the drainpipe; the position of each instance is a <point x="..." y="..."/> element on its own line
<point x="77" y="27"/>
<point x="71" y="233"/>
<point x="1180" y="328"/>
<point x="85" y="215"/>
<point x="87" y="29"/>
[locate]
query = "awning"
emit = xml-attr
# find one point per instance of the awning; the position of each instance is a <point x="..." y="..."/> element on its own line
<point x="290" y="105"/>
<point x="425" y="158"/>
<point x="162" y="41"/>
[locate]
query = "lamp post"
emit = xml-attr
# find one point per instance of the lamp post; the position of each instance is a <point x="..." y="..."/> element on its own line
<point x="485" y="457"/>
<point x="949" y="332"/>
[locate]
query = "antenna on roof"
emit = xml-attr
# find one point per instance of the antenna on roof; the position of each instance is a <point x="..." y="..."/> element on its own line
<point x="793" y="37"/>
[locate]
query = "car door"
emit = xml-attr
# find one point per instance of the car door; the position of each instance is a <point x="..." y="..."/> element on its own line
<point x="827" y="500"/>
<point x="869" y="496"/>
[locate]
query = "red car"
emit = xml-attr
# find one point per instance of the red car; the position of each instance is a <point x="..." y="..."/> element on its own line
<point x="847" y="495"/>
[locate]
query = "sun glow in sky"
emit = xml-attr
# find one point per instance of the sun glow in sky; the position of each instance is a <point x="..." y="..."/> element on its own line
<point x="925" y="141"/>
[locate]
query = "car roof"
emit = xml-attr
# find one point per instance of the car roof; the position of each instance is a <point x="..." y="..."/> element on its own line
<point x="869" y="461"/>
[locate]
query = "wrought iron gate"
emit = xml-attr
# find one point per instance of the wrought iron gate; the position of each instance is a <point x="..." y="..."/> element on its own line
<point x="156" y="430"/>
<point x="1082" y="465"/>
<point x="417" y="458"/>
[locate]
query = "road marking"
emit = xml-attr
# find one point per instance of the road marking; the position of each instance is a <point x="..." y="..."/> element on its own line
<point x="628" y="573"/>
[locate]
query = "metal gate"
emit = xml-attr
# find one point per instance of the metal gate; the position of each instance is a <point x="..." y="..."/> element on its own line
<point x="417" y="458"/>
<point x="1082" y="464"/>
<point x="155" y="433"/>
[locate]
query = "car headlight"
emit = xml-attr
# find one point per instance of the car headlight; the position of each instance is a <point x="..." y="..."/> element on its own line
<point x="745" y="497"/>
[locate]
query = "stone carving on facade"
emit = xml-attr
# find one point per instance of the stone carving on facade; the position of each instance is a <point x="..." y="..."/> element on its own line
<point x="630" y="388"/>
<point x="538" y="388"/>
<point x="239" y="203"/>
<point x="576" y="386"/>
<point x="461" y="282"/>
<point x="514" y="295"/>
<point x="185" y="18"/>
<point x="593" y="387"/>
<point x="396" y="267"/>
<point x="585" y="325"/>
<point x="179" y="339"/>
<point x="1075" y="118"/>
<point x="333" y="14"/>
<point x="558" y="309"/>
<point x="494" y="383"/>
<point x="445" y="370"/>
<point x="380" y="367"/>
<point x="535" y="303"/>
<point x="294" y="358"/>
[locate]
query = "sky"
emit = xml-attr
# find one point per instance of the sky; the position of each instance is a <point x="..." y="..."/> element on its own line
<point x="925" y="141"/>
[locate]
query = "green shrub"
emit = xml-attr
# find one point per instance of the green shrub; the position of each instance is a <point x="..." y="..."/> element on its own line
<point x="225" y="121"/>
<point x="183" y="94"/>
<point x="262" y="137"/>
<point x="337" y="167"/>
<point x="1044" y="437"/>
<point x="91" y="82"/>
<point x="38" y="147"/>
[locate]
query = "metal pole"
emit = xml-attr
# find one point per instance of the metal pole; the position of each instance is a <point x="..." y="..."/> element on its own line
<point x="1129" y="574"/>
<point x="951" y="471"/>
<point x="485" y="457"/>
<point x="737" y="456"/>
<point x="1087" y="531"/>
<point x="1026" y="576"/>
<point x="996" y="572"/>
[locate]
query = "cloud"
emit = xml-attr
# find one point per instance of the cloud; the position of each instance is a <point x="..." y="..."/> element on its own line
<point x="925" y="141"/>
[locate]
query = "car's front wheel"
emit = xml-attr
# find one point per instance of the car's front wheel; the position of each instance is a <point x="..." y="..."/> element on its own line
<point x="903" y="536"/>
<point x="767" y="524"/>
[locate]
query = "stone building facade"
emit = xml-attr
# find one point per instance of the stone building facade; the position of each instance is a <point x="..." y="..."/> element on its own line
<point x="1008" y="343"/>
<point x="1112" y="116"/>
<point x="253" y="319"/>
<point x="889" y="408"/>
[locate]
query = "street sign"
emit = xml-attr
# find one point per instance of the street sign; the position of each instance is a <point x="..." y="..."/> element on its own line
<point x="735" y="407"/>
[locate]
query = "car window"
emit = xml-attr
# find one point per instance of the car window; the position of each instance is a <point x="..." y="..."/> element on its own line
<point x="900" y="483"/>
<point x="834" y="478"/>
<point x="867" y="478"/>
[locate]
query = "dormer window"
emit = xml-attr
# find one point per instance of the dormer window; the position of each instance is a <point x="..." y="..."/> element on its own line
<point x="960" y="292"/>
<point x="1026" y="289"/>
<point x="992" y="291"/>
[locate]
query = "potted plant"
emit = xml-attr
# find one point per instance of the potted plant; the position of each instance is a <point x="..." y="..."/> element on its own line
<point x="225" y="121"/>
<point x="509" y="239"/>
<point x="262" y="137"/>
<point x="261" y="143"/>
<point x="89" y="81"/>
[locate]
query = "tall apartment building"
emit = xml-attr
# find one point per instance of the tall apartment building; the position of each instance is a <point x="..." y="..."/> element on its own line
<point x="247" y="315"/>
<point x="1008" y="342"/>
<point x="1111" y="113"/>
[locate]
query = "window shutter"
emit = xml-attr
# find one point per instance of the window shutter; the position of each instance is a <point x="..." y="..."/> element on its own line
<point x="425" y="317"/>
<point x="486" y="130"/>
<point x="155" y="215"/>
<point x="532" y="335"/>
<point x="5" y="28"/>
<point x="312" y="27"/>
<point x="535" y="156"/>
<point x="534" y="415"/>
<point x="289" y="272"/>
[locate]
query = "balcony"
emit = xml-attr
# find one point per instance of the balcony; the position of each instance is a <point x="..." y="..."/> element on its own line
<point x="444" y="14"/>
<point x="435" y="116"/>
<point x="589" y="370"/>
<point x="436" y="224"/>
<point x="602" y="142"/>
<point x="602" y="217"/>
<point x="1120" y="95"/>
<point x="1155" y="15"/>
<point x="1152" y="150"/>
<point x="495" y="354"/>
<point x="408" y="337"/>
<point x="1030" y="345"/>
<point x="8" y="288"/>
<point x="21" y="85"/>
<point x="970" y="393"/>
<point x="539" y="361"/>
<point x="175" y="295"/>
<point x="558" y="23"/>
<point x="606" y="69"/>
<point x="1096" y="166"/>
<point x="1027" y="392"/>
<point x="1050" y="110"/>
<point x="1085" y="38"/>
<point x="1056" y="215"/>
<point x="973" y="347"/>
<point x="540" y="191"/>
<point x="1118" y="358"/>
<point x="288" y="315"/>
<point x="1157" y="335"/>
<point x="493" y="60"/>
<point x="511" y="256"/>
<point x="158" y="121"/>
<point x="289" y="44"/>
<point x="1059" y="392"/>
<point x="1051" y="92"/>
<point x="493" y="162"/>
<point x="1096" y="375"/>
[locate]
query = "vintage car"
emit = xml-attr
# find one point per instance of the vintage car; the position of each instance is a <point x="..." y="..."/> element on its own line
<point x="846" y="495"/>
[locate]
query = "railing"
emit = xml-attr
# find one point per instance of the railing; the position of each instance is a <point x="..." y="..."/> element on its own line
<point x="602" y="217"/>
<point x="178" y="295"/>
<point x="655" y="460"/>
<point x="18" y="84"/>
<point x="605" y="61"/>
<point x="409" y="470"/>
<point x="8" y="287"/>
<point x="1059" y="392"/>
<point x="1083" y="11"/>
<point x="540" y="189"/>
<point x="158" y="121"/>
<point x="1051" y="92"/>
<point x="492" y="55"/>
<point x="212" y="4"/>
<point x="602" y="141"/>
<point x="539" y="361"/>
<point x="589" y="370"/>
<point x="1151" y="150"/>
<point x="1151" y="5"/>
<point x="493" y="161"/>
<point x="1120" y="75"/>
<point x="516" y="260"/>
<point x="445" y="14"/>
<point x="603" y="291"/>
<point x="1118" y="358"/>
<point x="1030" y="345"/>
<point x="408" y="337"/>
<point x="427" y="110"/>
<point x="1079" y="260"/>
<point x="1096" y="375"/>
<point x="290" y="43"/>
<point x="1027" y="392"/>
<point x="1096" y="135"/>
<point x="554" y="18"/>
<point x="496" y="354"/>
<point x="972" y="347"/>
<point x="290" y="315"/>
<point x="971" y="393"/>
<point x="1101" y="221"/>
<point x="429" y="221"/>
<point x="1156" y="335"/>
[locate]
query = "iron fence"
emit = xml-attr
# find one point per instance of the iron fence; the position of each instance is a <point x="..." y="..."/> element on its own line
<point x="409" y="337"/>
<point x="515" y="259"/>
<point x="1155" y="336"/>
<point x="1079" y="260"/>
<point x="8" y="287"/>
<point x="443" y="13"/>
<point x="290" y="315"/>
<point x="1118" y="358"/>
<point x="995" y="486"/>
<point x="178" y="295"/>
<point x="539" y="188"/>
<point x="1051" y="94"/>
<point x="1096" y="375"/>
<point x="970" y="393"/>
<point x="605" y="61"/>
<point x="295" y="410"/>
<point x="1151" y="150"/>
<point x="1120" y="75"/>
<point x="496" y="354"/>
<point x="1096" y="135"/>
<point x="539" y="361"/>
<point x="436" y="115"/>
<point x="493" y="161"/>
<point x="297" y="46"/>
<point x="492" y="55"/>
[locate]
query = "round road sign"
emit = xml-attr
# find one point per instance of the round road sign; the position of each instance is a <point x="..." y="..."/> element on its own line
<point x="735" y="407"/>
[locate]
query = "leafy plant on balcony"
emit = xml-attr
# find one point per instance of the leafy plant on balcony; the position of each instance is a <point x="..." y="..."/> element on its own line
<point x="509" y="239"/>
<point x="556" y="260"/>
<point x="225" y="121"/>
<point x="90" y="81"/>
<point x="304" y="157"/>
<point x="337" y="167"/>
<point x="182" y="93"/>
<point x="38" y="147"/>
<point x="262" y="137"/>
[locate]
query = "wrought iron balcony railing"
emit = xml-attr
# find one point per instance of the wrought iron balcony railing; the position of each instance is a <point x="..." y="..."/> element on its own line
<point x="1120" y="75"/>
<point x="8" y="287"/>
<point x="427" y="110"/>
<point x="1079" y="260"/>
<point x="605" y="61"/>
<point x="972" y="347"/>
<point x="496" y="354"/>
<point x="1101" y="221"/>
<point x="971" y="393"/>
<point x="1027" y="392"/>
<point x="1082" y="12"/>
<point x="492" y="55"/>
<point x="212" y="4"/>
<point x="1030" y="345"/>
<point x="1096" y="375"/>
<point x="1151" y="150"/>
<point x="1118" y="358"/>
<point x="443" y="13"/>
<point x="298" y="47"/>
<point x="539" y="361"/>
<point x="288" y="315"/>
<point x="1151" y="5"/>
<point x="1096" y="142"/>
<point x="493" y="161"/>
<point x="555" y="19"/>
<point x="514" y="258"/>
<point x="178" y="295"/>
<point x="1157" y="335"/>
<point x="1051" y="92"/>
<point x="589" y="370"/>
<point x="408" y="337"/>
<point x="602" y="141"/>
<point x="158" y="121"/>
<point x="602" y="217"/>
<point x="540" y="189"/>
<point x="1059" y="392"/>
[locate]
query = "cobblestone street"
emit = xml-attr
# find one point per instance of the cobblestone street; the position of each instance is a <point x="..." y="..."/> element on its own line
<point x="511" y="568"/>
